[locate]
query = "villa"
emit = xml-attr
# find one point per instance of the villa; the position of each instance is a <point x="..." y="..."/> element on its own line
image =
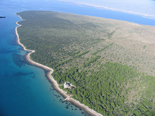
<point x="68" y="85"/>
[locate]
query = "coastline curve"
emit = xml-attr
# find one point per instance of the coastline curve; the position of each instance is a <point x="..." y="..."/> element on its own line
<point x="51" y="79"/>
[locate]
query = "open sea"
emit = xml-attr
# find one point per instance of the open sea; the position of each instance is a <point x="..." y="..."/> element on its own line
<point x="24" y="88"/>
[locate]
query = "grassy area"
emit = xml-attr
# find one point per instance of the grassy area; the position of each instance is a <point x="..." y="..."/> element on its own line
<point x="110" y="62"/>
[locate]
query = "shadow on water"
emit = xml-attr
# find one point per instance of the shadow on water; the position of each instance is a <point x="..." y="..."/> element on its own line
<point x="19" y="74"/>
<point x="19" y="60"/>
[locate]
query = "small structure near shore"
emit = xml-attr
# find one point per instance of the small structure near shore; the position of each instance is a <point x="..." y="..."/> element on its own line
<point x="68" y="85"/>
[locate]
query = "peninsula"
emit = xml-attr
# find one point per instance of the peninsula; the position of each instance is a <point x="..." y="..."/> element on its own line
<point x="110" y="63"/>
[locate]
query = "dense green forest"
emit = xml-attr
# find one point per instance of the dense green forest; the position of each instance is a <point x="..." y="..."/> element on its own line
<point x="114" y="74"/>
<point x="105" y="91"/>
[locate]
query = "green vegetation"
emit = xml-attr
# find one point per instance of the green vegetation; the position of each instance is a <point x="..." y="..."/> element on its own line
<point x="99" y="56"/>
<point x="62" y="63"/>
<point x="105" y="90"/>
<point x="91" y="61"/>
<point x="144" y="46"/>
<point x="75" y="53"/>
<point x="102" y="49"/>
<point x="83" y="53"/>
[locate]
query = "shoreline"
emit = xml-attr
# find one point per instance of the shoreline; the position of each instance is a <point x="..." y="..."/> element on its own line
<point x="150" y="16"/>
<point x="51" y="79"/>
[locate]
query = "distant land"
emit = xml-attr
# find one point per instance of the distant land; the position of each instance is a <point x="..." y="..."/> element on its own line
<point x="130" y="7"/>
<point x="2" y="17"/>
<point x="109" y="62"/>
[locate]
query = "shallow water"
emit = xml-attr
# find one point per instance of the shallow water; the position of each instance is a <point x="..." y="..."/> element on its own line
<point x="24" y="89"/>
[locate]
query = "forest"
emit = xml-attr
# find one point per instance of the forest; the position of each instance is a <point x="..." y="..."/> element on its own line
<point x="114" y="74"/>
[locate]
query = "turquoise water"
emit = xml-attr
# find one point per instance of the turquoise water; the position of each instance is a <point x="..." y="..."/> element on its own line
<point x="24" y="89"/>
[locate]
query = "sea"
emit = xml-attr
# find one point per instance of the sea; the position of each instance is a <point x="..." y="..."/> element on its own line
<point x="24" y="88"/>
